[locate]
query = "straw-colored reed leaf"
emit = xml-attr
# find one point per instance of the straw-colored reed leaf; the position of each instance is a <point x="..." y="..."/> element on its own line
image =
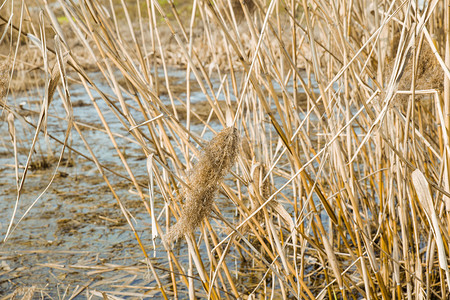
<point x="204" y="180"/>
<point x="423" y="193"/>
<point x="53" y="82"/>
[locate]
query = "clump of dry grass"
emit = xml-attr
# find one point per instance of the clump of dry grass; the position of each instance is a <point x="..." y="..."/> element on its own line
<point x="215" y="162"/>
<point x="25" y="292"/>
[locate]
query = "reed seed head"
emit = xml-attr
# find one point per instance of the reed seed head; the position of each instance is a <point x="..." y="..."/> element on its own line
<point x="238" y="10"/>
<point x="429" y="74"/>
<point x="4" y="78"/>
<point x="204" y="180"/>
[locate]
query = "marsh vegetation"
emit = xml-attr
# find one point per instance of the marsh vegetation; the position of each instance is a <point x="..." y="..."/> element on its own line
<point x="225" y="149"/>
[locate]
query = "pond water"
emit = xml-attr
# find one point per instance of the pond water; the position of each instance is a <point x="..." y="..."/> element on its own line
<point x="73" y="240"/>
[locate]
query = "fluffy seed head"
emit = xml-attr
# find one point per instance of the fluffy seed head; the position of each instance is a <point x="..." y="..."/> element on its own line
<point x="204" y="180"/>
<point x="429" y="74"/>
<point x="4" y="78"/>
<point x="237" y="7"/>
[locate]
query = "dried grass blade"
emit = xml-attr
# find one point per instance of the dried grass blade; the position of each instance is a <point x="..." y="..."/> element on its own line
<point x="152" y="198"/>
<point x="423" y="193"/>
<point x="333" y="262"/>
<point x="12" y="133"/>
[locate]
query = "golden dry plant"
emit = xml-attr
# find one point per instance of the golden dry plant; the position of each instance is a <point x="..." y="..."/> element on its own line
<point x="215" y="161"/>
<point x="336" y="196"/>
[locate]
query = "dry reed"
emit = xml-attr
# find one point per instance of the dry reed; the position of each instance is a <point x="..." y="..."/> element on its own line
<point x="327" y="190"/>
<point x="215" y="161"/>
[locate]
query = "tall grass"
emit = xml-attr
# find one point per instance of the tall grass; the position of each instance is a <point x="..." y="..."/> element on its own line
<point x="341" y="189"/>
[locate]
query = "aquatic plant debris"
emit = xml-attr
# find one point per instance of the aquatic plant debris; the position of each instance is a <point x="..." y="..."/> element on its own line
<point x="204" y="180"/>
